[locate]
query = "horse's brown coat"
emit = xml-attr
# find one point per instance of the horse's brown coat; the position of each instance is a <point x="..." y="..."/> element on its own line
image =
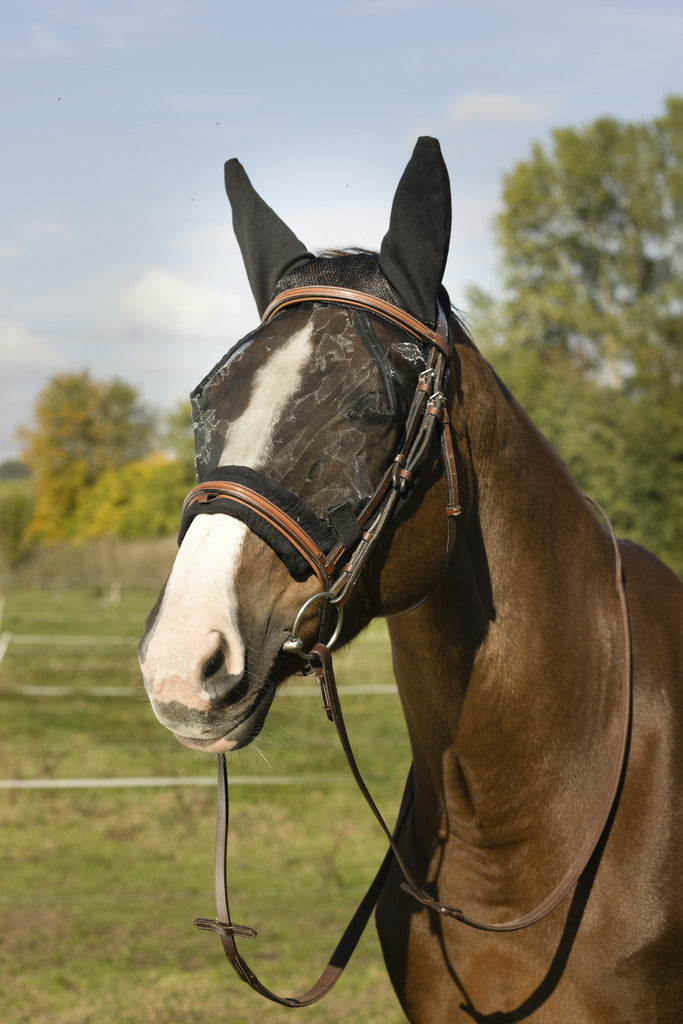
<point x="510" y="679"/>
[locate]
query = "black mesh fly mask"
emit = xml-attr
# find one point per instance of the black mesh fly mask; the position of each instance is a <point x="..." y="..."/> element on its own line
<point x="350" y="416"/>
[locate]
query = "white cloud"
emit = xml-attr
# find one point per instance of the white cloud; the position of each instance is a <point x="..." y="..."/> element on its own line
<point x="21" y="350"/>
<point x="161" y="301"/>
<point x="498" y="108"/>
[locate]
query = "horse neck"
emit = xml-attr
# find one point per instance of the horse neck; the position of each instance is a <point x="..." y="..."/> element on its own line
<point x="510" y="670"/>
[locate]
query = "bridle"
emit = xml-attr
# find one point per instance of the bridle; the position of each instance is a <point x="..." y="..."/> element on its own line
<point x="338" y="571"/>
<point x="427" y="413"/>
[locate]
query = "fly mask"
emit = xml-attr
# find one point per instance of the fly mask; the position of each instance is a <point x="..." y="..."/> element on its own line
<point x="334" y="547"/>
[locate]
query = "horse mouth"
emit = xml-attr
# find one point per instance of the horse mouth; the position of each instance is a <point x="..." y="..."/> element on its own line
<point x="236" y="732"/>
<point x="211" y="746"/>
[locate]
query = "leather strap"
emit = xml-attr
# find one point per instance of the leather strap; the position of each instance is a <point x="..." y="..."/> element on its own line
<point x="321" y="564"/>
<point x="228" y="931"/>
<point x="370" y="303"/>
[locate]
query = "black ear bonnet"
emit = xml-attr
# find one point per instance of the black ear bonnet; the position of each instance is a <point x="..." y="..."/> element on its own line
<point x="413" y="252"/>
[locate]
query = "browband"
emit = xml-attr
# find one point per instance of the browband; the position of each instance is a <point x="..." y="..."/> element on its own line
<point x="371" y="304"/>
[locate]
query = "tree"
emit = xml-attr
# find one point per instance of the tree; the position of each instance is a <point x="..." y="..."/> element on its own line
<point x="16" y="509"/>
<point x="142" y="499"/>
<point x="592" y="241"/>
<point x="82" y="428"/>
<point x="589" y="333"/>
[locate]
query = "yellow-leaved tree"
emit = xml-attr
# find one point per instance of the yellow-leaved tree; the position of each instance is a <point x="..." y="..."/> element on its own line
<point x="83" y="428"/>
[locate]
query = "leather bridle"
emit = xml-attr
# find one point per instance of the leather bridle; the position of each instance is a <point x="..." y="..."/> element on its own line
<point x="427" y="413"/>
<point x="338" y="572"/>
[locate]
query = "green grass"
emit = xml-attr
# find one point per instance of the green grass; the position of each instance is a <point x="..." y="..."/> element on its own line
<point x="99" y="887"/>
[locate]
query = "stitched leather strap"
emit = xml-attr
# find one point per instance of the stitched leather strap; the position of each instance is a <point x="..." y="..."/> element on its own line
<point x="370" y="303"/>
<point x="322" y="564"/>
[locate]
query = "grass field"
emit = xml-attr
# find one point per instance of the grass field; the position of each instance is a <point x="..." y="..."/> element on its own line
<point x="99" y="887"/>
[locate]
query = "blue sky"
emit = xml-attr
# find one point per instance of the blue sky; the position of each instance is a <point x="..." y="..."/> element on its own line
<point x="116" y="251"/>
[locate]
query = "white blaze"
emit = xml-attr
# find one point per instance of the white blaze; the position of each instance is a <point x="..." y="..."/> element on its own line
<point x="274" y="385"/>
<point x="199" y="599"/>
<point x="198" y="602"/>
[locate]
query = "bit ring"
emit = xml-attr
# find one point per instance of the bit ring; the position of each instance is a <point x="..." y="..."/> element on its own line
<point x="294" y="644"/>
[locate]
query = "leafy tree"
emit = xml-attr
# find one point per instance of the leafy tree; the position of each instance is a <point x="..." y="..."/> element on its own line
<point x="589" y="334"/>
<point x="625" y="451"/>
<point x="142" y="499"/>
<point x="16" y="509"/>
<point x="82" y="429"/>
<point x="592" y="242"/>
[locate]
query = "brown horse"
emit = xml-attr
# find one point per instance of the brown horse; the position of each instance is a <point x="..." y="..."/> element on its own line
<point x="510" y="646"/>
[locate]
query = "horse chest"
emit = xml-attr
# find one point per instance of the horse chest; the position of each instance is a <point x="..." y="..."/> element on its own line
<point x="444" y="974"/>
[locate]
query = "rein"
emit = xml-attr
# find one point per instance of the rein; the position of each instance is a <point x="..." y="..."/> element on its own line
<point x="427" y="413"/>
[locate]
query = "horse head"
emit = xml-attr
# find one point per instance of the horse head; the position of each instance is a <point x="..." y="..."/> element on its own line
<point x="304" y="415"/>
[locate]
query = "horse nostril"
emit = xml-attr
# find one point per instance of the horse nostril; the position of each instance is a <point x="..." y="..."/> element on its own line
<point x="215" y="662"/>
<point x="223" y="686"/>
<point x="237" y="689"/>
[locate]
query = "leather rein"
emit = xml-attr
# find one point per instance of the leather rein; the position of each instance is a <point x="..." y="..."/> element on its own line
<point x="338" y="574"/>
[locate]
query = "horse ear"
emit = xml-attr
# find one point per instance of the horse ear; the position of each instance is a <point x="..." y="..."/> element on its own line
<point x="268" y="246"/>
<point x="415" y="248"/>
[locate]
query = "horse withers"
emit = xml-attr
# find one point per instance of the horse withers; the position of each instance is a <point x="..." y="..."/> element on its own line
<point x="538" y="663"/>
